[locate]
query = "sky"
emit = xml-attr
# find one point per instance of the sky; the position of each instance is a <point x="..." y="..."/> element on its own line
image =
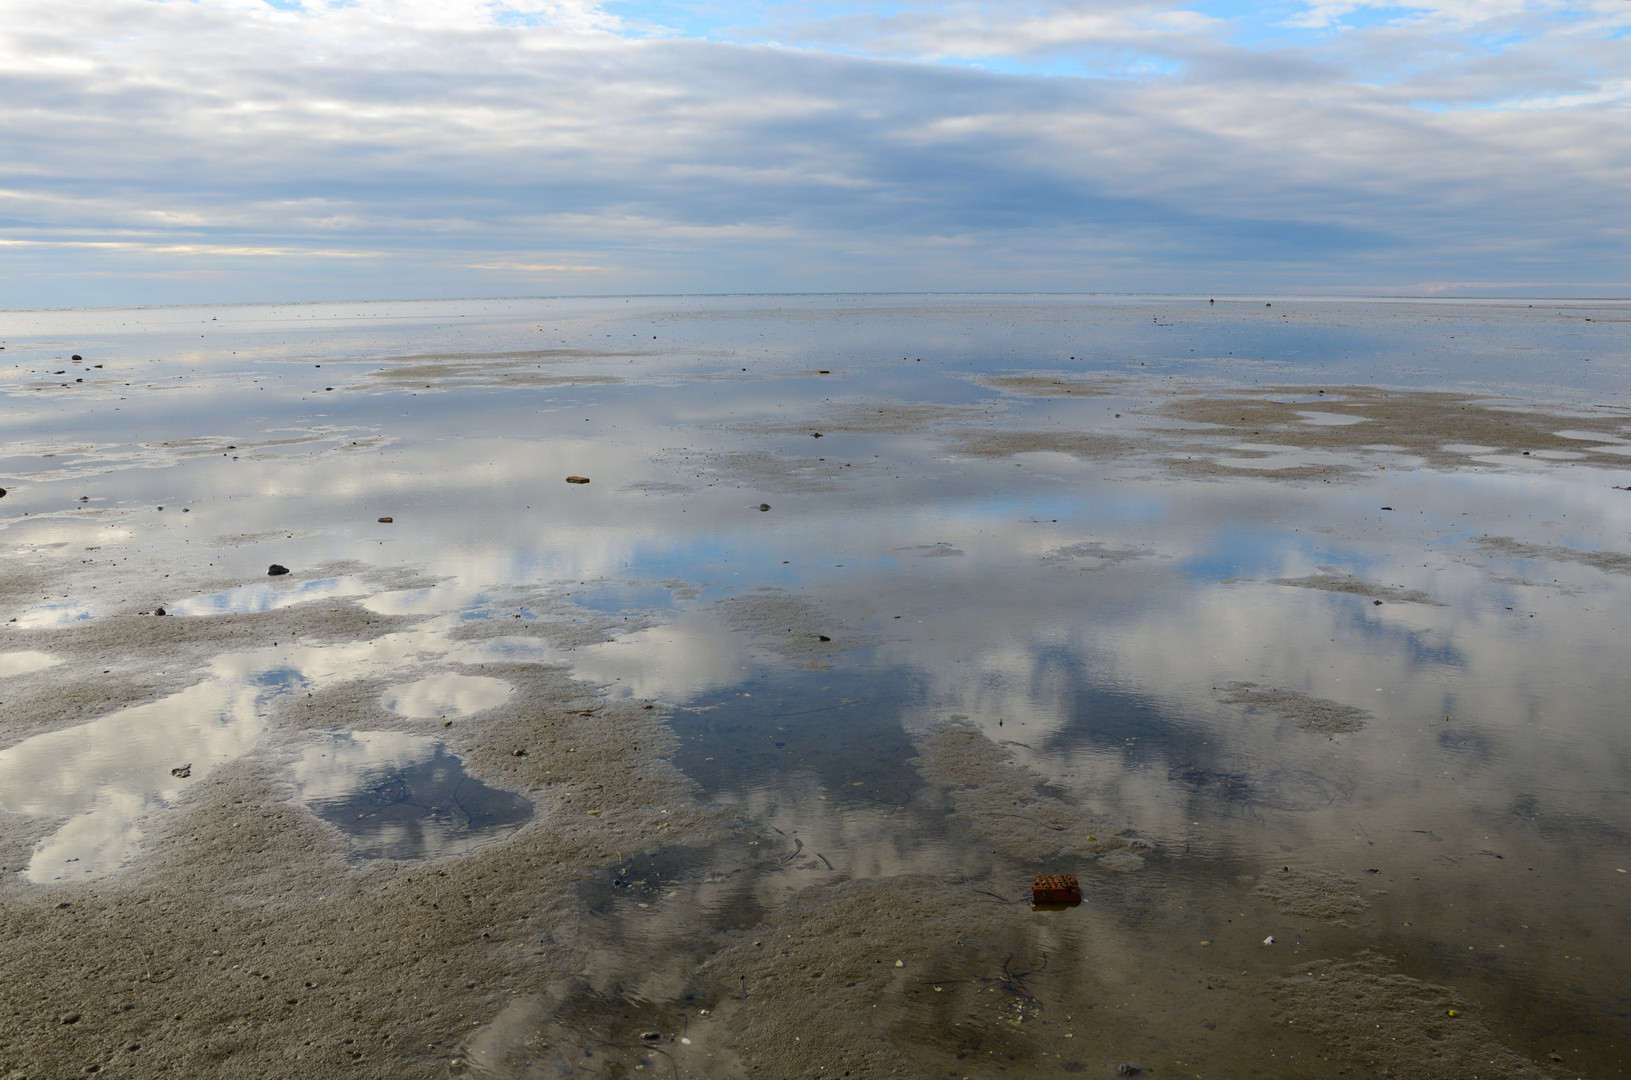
<point x="180" y="151"/>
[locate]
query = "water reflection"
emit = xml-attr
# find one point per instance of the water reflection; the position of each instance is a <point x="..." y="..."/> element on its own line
<point x="1347" y="642"/>
<point x="403" y="796"/>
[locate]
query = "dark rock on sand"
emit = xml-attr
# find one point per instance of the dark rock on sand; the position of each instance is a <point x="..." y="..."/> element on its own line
<point x="577" y="479"/>
<point x="276" y="570"/>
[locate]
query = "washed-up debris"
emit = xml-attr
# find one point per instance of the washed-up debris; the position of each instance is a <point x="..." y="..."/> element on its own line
<point x="276" y="570"/>
<point x="764" y="506"/>
<point x="183" y="771"/>
<point x="1056" y="889"/>
<point x="577" y="479"/>
<point x="1269" y="940"/>
<point x="386" y="520"/>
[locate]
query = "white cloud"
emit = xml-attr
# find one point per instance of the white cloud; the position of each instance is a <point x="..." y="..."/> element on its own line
<point x="398" y="148"/>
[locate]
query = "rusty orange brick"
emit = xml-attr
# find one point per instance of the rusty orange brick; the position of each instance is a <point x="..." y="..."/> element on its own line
<point x="1056" y="889"/>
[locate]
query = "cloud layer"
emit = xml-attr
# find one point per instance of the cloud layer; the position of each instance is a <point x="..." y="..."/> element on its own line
<point x="229" y="149"/>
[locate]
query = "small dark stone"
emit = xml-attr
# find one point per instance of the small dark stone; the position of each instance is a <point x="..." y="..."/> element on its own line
<point x="518" y="753"/>
<point x="577" y="479"/>
<point x="77" y="358"/>
<point x="2" y="493"/>
<point x="70" y="1018"/>
<point x="182" y="771"/>
<point x="823" y="637"/>
<point x="1377" y="603"/>
<point x="652" y="1035"/>
<point x="386" y="520"/>
<point x="276" y="570"/>
<point x="1127" y="1068"/>
<point x="815" y="434"/>
<point x="764" y="506"/>
<point x="63" y="905"/>
<point x="160" y="611"/>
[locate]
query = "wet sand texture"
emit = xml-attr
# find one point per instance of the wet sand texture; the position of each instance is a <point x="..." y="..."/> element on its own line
<point x="1308" y="713"/>
<point x="1398" y="1026"/>
<point x="789" y="625"/>
<point x="1609" y="562"/>
<point x="1316" y="894"/>
<point x="248" y="942"/>
<point x="1352" y="586"/>
<point x="1001" y="801"/>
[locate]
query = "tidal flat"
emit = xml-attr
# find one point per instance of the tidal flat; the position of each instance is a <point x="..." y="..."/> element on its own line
<point x="1291" y="627"/>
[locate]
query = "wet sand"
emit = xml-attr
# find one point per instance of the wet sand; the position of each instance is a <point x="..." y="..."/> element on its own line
<point x="835" y="881"/>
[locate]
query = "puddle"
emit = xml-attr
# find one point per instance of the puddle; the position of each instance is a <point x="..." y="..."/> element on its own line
<point x="108" y="777"/>
<point x="401" y="796"/>
<point x="1306" y="666"/>
<point x="265" y="597"/>
<point x="446" y="695"/>
<point x="21" y="663"/>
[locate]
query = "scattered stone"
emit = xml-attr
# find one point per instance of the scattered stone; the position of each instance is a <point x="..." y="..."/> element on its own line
<point x="276" y="570"/>
<point x="764" y="506"/>
<point x="650" y="1035"/>
<point x="577" y="479"/>
<point x="817" y="435"/>
<point x="70" y="1018"/>
<point x="386" y="520"/>
<point x="2" y="493"/>
<point x="1127" y="1068"/>
<point x="160" y="611"/>
<point x="182" y="771"/>
<point x="518" y="753"/>
<point x="77" y="358"/>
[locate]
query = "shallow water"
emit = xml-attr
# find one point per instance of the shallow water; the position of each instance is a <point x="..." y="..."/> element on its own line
<point x="1343" y="667"/>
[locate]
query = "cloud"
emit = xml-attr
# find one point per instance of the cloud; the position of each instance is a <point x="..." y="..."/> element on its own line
<point x="410" y="148"/>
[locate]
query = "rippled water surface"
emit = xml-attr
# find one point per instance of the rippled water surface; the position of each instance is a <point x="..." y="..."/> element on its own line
<point x="1296" y="629"/>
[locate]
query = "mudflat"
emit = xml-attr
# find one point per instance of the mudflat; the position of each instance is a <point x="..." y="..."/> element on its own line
<point x="1289" y="627"/>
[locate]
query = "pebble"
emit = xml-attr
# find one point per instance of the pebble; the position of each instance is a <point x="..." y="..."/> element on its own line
<point x="764" y="506"/>
<point x="386" y="520"/>
<point x="276" y="570"/>
<point x="1269" y="940"/>
<point x="182" y="771"/>
<point x="2" y="493"/>
<point x="160" y="611"/>
<point x="652" y="1035"/>
<point x="70" y="1018"/>
<point x="1127" y="1068"/>
<point x="577" y="479"/>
